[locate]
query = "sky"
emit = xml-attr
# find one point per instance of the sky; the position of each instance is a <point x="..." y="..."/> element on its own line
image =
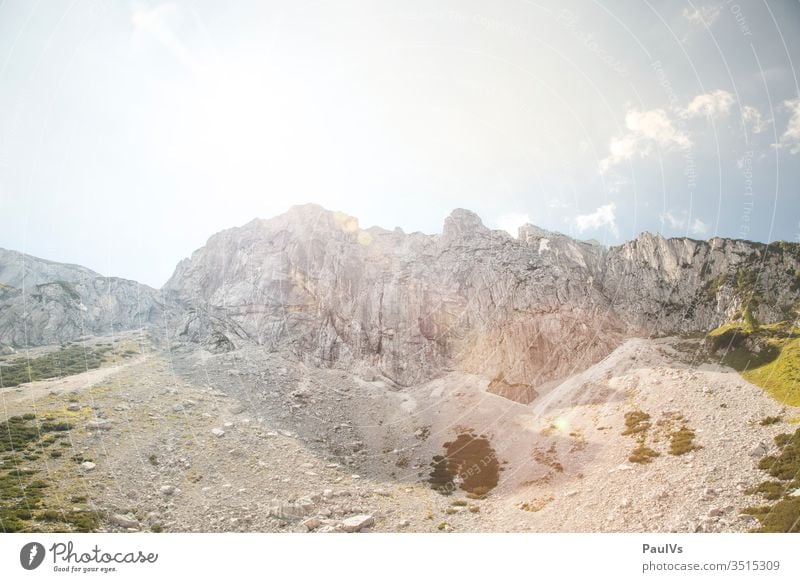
<point x="130" y="132"/>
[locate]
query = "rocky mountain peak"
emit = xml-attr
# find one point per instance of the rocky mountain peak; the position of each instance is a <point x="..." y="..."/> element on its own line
<point x="411" y="306"/>
<point x="462" y="223"/>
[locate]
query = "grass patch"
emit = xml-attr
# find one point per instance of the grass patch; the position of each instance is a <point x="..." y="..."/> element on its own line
<point x="781" y="376"/>
<point x="682" y="441"/>
<point x="766" y="355"/>
<point x="786" y="465"/>
<point x="771" y="490"/>
<point x="636" y="422"/>
<point x="66" y="361"/>
<point x="643" y="455"/>
<point x="22" y="495"/>
<point x="784" y="515"/>
<point x="769" y="420"/>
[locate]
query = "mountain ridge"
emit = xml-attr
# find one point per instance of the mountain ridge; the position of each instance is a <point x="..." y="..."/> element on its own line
<point x="409" y="306"/>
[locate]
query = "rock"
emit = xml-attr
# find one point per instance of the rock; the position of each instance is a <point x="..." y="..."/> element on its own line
<point x="288" y="511"/>
<point x="228" y="425"/>
<point x="88" y="466"/>
<point x="74" y="407"/>
<point x="759" y="450"/>
<point x="126" y="521"/>
<point x="305" y="504"/>
<point x="167" y="490"/>
<point x="311" y="523"/>
<point x="99" y="424"/>
<point x="217" y="432"/>
<point x="178" y="408"/>
<point x="327" y="493"/>
<point x="357" y="523"/>
<point x="715" y="512"/>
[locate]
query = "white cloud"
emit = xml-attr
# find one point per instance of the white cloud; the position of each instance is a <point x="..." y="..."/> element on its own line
<point x="681" y="221"/>
<point x="511" y="222"/>
<point x="604" y="216"/>
<point x="791" y="137"/>
<point x="753" y="122"/>
<point x="703" y="14"/>
<point x="714" y="104"/>
<point x="647" y="130"/>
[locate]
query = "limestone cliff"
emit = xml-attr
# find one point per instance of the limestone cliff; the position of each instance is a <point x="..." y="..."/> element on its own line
<point x="525" y="310"/>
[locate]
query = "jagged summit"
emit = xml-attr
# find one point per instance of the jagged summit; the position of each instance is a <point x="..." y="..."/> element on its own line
<point x="525" y="311"/>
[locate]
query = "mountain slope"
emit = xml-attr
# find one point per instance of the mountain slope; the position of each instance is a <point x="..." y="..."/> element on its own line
<point x="19" y="269"/>
<point x="525" y="311"/>
<point x="43" y="302"/>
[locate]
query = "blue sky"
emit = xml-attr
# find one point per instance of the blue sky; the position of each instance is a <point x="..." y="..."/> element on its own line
<point x="131" y="132"/>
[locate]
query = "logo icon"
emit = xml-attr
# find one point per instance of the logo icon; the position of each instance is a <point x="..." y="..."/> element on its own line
<point x="31" y="555"/>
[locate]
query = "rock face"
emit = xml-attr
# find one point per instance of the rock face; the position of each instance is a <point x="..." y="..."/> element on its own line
<point x="59" y="311"/>
<point x="19" y="270"/>
<point x="523" y="311"/>
<point x="408" y="307"/>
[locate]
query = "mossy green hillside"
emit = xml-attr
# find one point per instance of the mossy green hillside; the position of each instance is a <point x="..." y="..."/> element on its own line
<point x="766" y="355"/>
<point x="783" y="516"/>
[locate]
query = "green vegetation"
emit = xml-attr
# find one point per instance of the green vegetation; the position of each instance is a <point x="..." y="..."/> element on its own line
<point x="22" y="497"/>
<point x="772" y="490"/>
<point x="636" y="422"/>
<point x="784" y="515"/>
<point x="682" y="441"/>
<point x="714" y="285"/>
<point x="766" y="355"/>
<point x="769" y="420"/>
<point x="66" y="361"/>
<point x="643" y="455"/>
<point x="780" y="377"/>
